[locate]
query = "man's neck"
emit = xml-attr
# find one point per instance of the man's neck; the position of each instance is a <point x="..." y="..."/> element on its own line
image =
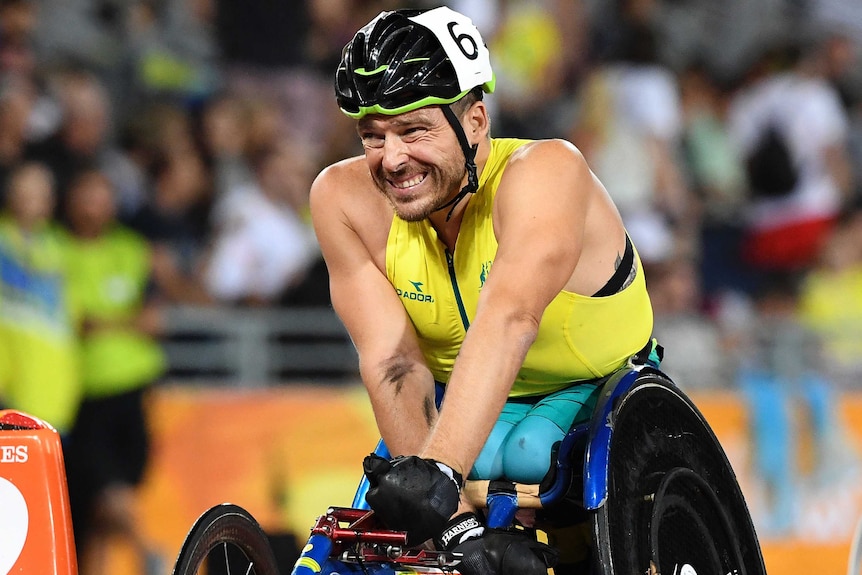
<point x="447" y="222"/>
<point x="447" y="225"/>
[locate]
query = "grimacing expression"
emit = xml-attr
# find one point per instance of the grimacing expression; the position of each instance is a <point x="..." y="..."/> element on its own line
<point x="414" y="159"/>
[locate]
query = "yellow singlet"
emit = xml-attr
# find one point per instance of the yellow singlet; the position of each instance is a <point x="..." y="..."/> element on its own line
<point x="580" y="337"/>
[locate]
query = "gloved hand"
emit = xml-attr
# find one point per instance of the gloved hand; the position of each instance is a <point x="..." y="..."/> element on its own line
<point x="495" y="551"/>
<point x="412" y="494"/>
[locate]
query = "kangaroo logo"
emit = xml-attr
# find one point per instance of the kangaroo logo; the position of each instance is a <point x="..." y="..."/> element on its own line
<point x="483" y="275"/>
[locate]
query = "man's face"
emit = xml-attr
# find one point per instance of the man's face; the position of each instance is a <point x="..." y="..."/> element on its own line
<point x="414" y="159"/>
<point x="31" y="195"/>
<point x="91" y="207"/>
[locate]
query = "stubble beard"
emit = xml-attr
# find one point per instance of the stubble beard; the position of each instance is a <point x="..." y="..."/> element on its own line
<point x="443" y="182"/>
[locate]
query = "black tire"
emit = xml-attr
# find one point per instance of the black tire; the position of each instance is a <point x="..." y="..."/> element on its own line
<point x="673" y="502"/>
<point x="226" y="536"/>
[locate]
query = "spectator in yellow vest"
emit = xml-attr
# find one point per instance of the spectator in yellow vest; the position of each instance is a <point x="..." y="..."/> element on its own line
<point x="37" y="359"/>
<point x="109" y="269"/>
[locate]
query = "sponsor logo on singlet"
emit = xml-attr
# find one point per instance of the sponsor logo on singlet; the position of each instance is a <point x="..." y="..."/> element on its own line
<point x="415" y="293"/>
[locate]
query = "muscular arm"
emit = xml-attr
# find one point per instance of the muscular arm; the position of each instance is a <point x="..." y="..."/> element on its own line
<point x="540" y="214"/>
<point x="349" y="221"/>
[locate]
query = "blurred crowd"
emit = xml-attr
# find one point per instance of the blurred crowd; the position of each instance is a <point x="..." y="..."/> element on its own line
<point x="208" y="119"/>
<point x="160" y="152"/>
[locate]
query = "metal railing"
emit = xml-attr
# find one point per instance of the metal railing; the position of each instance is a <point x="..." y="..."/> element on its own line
<point x="257" y="347"/>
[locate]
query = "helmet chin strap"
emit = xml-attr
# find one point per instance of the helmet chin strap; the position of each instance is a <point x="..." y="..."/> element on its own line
<point x="470" y="161"/>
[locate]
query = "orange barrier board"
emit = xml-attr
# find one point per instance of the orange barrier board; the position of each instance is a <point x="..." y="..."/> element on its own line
<point x="35" y="523"/>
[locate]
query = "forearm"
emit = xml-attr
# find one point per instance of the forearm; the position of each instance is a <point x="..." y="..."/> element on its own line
<point x="487" y="365"/>
<point x="402" y="397"/>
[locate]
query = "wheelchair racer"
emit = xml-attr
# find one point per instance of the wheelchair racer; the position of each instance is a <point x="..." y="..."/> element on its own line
<point x="499" y="268"/>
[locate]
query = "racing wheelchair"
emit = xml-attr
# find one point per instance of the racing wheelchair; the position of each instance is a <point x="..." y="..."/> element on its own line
<point x="645" y="482"/>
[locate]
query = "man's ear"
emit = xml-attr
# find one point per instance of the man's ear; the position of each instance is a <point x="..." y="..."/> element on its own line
<point x="478" y="122"/>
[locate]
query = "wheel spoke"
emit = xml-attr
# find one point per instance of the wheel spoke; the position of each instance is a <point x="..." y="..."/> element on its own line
<point x="226" y="560"/>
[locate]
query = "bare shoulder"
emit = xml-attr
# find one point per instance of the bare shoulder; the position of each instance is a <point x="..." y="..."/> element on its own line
<point x="546" y="168"/>
<point x="347" y="186"/>
<point x="339" y="178"/>
<point x="540" y="153"/>
<point x="345" y="200"/>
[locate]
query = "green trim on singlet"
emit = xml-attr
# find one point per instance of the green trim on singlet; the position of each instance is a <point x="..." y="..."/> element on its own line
<point x="580" y="337"/>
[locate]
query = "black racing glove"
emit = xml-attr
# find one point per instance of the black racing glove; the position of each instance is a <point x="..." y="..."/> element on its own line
<point x="495" y="551"/>
<point x="412" y="494"/>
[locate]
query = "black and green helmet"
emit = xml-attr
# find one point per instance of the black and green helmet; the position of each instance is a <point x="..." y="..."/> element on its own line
<point x="407" y="59"/>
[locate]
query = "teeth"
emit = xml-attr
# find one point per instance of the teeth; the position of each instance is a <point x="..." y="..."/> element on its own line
<point x="411" y="182"/>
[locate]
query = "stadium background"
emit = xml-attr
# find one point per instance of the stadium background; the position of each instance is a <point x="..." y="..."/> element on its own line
<point x="264" y="410"/>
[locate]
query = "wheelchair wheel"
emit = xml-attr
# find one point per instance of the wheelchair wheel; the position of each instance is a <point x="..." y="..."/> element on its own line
<point x="226" y="539"/>
<point x="673" y="504"/>
<point x="854" y="562"/>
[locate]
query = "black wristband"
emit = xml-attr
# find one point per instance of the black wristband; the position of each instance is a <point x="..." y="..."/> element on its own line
<point x="460" y="529"/>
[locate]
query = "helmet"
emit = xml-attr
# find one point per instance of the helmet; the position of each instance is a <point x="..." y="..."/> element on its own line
<point x="407" y="59"/>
